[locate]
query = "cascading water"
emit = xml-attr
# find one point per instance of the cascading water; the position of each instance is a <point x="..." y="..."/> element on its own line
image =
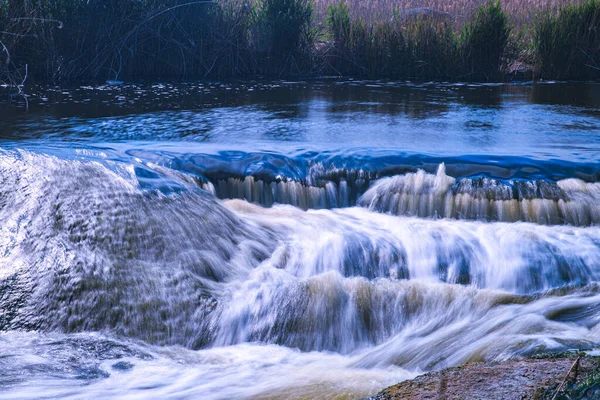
<point x="131" y="270"/>
<point x="569" y="201"/>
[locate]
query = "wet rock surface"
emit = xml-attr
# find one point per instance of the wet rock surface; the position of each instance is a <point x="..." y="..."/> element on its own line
<point x="526" y="379"/>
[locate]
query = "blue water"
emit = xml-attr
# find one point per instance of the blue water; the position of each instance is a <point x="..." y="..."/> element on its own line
<point x="291" y="239"/>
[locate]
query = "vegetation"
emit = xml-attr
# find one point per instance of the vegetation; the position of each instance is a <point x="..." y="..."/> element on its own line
<point x="63" y="40"/>
<point x="520" y="12"/>
<point x="113" y="39"/>
<point x="483" y="42"/>
<point x="289" y="35"/>
<point x="576" y="385"/>
<point x="410" y="48"/>
<point x="419" y="46"/>
<point x="567" y="42"/>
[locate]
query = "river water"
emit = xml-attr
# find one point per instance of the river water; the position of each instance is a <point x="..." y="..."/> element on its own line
<point x="291" y="240"/>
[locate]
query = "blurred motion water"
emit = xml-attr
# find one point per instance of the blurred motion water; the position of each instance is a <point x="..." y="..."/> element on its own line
<point x="291" y="239"/>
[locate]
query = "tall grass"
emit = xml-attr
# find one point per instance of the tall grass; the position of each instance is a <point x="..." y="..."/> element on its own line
<point x="115" y="38"/>
<point x="483" y="41"/>
<point x="412" y="49"/>
<point x="146" y="39"/>
<point x="420" y="46"/>
<point x="157" y="39"/>
<point x="566" y="42"/>
<point x="520" y="12"/>
<point x="61" y="40"/>
<point x="285" y="29"/>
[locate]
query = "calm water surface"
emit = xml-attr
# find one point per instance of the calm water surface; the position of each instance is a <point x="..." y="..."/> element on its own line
<point x="291" y="239"/>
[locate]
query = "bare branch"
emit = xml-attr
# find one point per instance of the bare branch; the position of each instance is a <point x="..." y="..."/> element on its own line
<point x="5" y="49"/>
<point x="60" y="23"/>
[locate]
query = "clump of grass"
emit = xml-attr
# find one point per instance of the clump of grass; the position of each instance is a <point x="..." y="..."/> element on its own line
<point x="433" y="50"/>
<point x="338" y="19"/>
<point x="416" y="48"/>
<point x="587" y="388"/>
<point x="584" y="385"/>
<point x="420" y="46"/>
<point x="566" y="42"/>
<point x="483" y="42"/>
<point x="287" y="23"/>
<point x="286" y="28"/>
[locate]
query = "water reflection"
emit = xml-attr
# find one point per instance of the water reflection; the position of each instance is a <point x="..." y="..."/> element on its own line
<point x="484" y="97"/>
<point x="541" y="121"/>
<point x="585" y="95"/>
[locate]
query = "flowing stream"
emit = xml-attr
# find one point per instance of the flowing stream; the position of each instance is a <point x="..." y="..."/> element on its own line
<point x="291" y="240"/>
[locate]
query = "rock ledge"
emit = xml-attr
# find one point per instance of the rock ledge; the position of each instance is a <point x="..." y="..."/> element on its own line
<point x="526" y="379"/>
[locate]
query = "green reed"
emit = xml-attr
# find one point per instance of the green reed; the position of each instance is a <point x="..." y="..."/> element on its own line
<point x="420" y="46"/>
<point x="482" y="42"/>
<point x="65" y="40"/>
<point x="566" y="42"/>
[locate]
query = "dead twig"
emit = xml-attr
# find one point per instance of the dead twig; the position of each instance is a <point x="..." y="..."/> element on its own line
<point x="5" y="50"/>
<point x="60" y="23"/>
<point x="24" y="78"/>
<point x="565" y="379"/>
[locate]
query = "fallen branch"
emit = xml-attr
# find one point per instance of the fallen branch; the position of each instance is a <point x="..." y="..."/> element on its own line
<point x="565" y="379"/>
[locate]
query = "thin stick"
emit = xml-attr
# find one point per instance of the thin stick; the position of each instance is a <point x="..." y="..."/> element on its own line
<point x="565" y="379"/>
<point x="25" y="78"/>
<point x="60" y="23"/>
<point x="5" y="49"/>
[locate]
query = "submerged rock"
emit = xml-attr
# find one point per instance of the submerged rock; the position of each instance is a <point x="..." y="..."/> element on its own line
<point x="122" y="366"/>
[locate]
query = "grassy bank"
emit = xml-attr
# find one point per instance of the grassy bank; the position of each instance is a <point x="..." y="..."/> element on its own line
<point x="66" y="40"/>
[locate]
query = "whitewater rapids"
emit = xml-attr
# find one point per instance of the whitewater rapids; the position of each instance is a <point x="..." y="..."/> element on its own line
<point x="109" y="287"/>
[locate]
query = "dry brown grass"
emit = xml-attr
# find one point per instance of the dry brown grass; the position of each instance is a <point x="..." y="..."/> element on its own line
<point x="519" y="11"/>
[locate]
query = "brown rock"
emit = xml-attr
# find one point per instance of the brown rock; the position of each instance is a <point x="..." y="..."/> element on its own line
<point x="526" y="379"/>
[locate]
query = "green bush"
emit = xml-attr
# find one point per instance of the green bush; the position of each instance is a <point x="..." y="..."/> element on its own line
<point x="566" y="42"/>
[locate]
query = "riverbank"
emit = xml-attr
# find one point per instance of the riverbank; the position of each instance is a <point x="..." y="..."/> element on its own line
<point x="554" y="377"/>
<point x="59" y="41"/>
